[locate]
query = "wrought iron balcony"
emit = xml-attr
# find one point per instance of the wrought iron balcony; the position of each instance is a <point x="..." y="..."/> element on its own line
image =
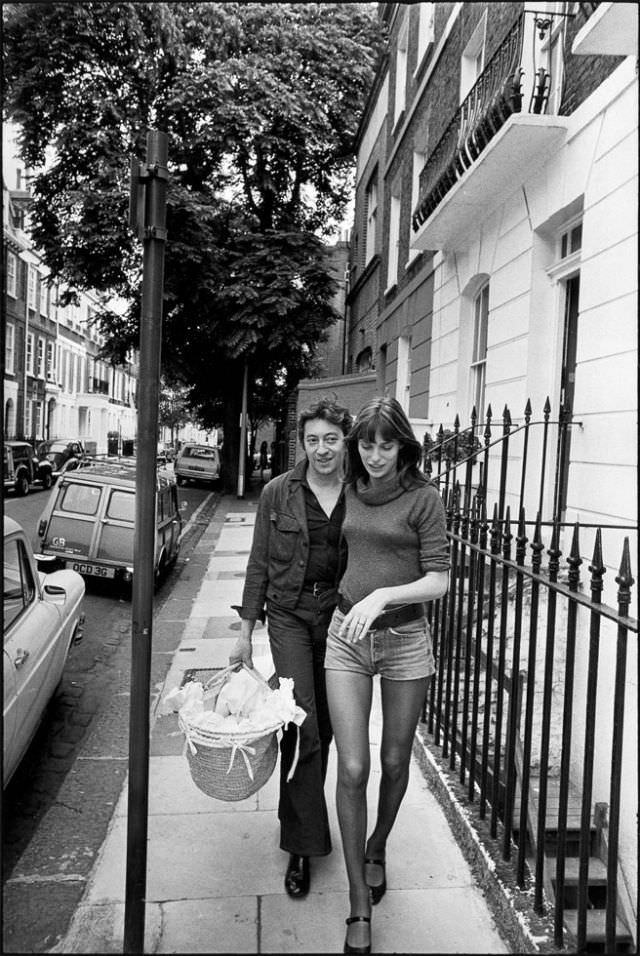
<point x="515" y="83"/>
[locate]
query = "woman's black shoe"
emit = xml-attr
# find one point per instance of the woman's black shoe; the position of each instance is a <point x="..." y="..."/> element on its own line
<point x="357" y="949"/>
<point x="298" y="876"/>
<point x="377" y="892"/>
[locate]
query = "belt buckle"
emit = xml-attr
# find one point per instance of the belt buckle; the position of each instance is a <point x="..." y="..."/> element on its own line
<point x="315" y="591"/>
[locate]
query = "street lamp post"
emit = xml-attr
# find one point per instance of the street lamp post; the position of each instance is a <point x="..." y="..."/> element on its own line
<point x="148" y="218"/>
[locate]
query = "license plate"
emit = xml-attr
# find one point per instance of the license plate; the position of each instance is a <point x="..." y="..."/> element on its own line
<point x="82" y="568"/>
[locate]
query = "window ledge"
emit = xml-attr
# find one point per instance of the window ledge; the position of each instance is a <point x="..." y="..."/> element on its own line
<point x="391" y="288"/>
<point x="423" y="59"/>
<point x="410" y="261"/>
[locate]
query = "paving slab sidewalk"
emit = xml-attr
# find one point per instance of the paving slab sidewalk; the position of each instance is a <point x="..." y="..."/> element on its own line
<point x="214" y="869"/>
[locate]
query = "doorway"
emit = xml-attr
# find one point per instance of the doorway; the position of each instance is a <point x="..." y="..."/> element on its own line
<point x="567" y="392"/>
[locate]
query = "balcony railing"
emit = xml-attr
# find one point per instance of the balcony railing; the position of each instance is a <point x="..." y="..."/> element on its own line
<point x="517" y="78"/>
<point x="531" y="684"/>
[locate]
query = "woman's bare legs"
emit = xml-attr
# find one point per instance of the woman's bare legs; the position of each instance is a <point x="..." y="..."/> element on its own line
<point x="401" y="705"/>
<point x="349" y="696"/>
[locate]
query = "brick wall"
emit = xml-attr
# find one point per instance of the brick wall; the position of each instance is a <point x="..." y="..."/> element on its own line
<point x="583" y="74"/>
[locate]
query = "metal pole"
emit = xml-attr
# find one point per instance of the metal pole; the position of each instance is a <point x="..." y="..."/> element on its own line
<point x="243" y="434"/>
<point x="154" y="177"/>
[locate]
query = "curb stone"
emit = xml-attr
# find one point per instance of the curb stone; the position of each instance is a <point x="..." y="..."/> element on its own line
<point x="512" y="907"/>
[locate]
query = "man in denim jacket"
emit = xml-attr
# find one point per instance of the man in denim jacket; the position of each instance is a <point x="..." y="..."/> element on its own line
<point x="294" y="568"/>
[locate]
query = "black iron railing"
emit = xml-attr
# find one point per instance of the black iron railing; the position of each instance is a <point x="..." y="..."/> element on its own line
<point x="521" y="702"/>
<point x="496" y="95"/>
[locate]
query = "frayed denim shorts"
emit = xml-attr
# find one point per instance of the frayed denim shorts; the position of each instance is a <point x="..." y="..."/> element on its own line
<point x="395" y="653"/>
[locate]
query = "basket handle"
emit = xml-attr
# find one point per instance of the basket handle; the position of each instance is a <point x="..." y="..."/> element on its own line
<point x="222" y="675"/>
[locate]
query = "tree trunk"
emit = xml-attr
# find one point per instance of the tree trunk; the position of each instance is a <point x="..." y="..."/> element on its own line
<point x="231" y="443"/>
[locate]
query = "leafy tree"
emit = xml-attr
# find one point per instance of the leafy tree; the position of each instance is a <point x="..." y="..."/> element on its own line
<point x="173" y="410"/>
<point x="261" y="104"/>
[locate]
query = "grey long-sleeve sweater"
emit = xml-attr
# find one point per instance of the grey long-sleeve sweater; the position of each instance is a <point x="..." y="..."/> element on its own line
<point x="394" y="536"/>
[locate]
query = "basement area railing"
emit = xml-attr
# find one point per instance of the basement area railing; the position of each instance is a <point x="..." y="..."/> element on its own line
<point x="530" y="701"/>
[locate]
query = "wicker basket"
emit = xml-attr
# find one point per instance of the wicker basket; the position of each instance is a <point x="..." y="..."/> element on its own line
<point x="231" y="765"/>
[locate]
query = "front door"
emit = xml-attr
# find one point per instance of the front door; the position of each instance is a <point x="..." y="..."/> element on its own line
<point x="567" y="392"/>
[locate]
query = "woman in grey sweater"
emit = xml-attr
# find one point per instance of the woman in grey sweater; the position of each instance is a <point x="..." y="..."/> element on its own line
<point x="398" y="558"/>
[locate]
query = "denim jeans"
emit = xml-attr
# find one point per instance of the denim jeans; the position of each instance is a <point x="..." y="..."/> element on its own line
<point x="298" y="642"/>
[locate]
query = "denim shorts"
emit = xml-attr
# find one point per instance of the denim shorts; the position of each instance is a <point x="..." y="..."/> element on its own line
<point x="395" y="653"/>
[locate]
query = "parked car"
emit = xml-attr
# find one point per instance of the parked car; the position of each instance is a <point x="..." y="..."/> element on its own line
<point x="43" y="618"/>
<point x="22" y="468"/>
<point x="197" y="463"/>
<point x="88" y="523"/>
<point x="63" y="453"/>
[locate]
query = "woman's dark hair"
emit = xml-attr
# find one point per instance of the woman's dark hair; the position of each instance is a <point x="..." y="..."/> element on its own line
<point x="386" y="416"/>
<point x="328" y="410"/>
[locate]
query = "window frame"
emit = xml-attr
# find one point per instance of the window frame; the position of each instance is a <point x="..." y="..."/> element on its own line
<point x="426" y="31"/>
<point x="371" y="217"/>
<point x="30" y="349"/>
<point x="400" y="85"/>
<point x="31" y="288"/>
<point x="12" y="274"/>
<point x="40" y="358"/>
<point x="50" y="362"/>
<point x="44" y="297"/>
<point x="393" y="252"/>
<point x="419" y="159"/>
<point x="9" y="348"/>
<point x="478" y="364"/>
<point x="473" y="52"/>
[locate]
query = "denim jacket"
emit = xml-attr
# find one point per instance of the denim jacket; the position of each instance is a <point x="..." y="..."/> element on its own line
<point x="280" y="549"/>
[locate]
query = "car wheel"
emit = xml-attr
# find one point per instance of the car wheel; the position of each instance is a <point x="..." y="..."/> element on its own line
<point x="22" y="484"/>
<point x="47" y="480"/>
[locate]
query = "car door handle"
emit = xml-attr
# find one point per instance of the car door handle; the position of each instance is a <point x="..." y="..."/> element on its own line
<point x="20" y="658"/>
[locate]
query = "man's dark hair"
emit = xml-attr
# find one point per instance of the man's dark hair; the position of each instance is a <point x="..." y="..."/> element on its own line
<point x="329" y="410"/>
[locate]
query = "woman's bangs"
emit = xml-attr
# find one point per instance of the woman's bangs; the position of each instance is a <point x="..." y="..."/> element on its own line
<point x="377" y="424"/>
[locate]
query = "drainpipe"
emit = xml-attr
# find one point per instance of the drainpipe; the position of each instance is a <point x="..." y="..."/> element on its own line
<point x="26" y="339"/>
<point x="345" y="333"/>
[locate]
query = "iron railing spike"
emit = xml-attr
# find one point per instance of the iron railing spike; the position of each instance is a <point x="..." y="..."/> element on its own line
<point x="547" y="408"/>
<point x="527" y="410"/>
<point x="574" y="560"/>
<point x="597" y="567"/>
<point x="624" y="578"/>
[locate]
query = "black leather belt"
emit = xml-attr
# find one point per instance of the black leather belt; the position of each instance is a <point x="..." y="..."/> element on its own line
<point x="391" y="618"/>
<point x="318" y="587"/>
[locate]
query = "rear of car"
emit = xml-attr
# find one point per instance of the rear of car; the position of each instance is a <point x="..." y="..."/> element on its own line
<point x="197" y="463"/>
<point x="63" y="454"/>
<point x="88" y="524"/>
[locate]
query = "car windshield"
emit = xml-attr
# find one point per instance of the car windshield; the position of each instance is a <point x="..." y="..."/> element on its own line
<point x="194" y="451"/>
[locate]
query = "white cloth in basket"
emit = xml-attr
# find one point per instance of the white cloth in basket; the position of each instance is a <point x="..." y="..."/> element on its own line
<point x="245" y="708"/>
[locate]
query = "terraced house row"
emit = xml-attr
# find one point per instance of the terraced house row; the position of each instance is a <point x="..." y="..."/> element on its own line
<point x="493" y="291"/>
<point x="55" y="385"/>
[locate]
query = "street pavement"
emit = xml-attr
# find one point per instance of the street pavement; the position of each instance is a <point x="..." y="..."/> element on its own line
<point x="215" y="873"/>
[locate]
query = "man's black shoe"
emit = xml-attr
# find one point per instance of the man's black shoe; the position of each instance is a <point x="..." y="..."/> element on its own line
<point x="298" y="876"/>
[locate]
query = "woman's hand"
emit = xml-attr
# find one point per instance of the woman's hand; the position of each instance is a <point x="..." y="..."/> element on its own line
<point x="362" y="615"/>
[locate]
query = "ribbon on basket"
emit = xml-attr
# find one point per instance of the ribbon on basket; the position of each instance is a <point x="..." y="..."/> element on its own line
<point x="244" y="750"/>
